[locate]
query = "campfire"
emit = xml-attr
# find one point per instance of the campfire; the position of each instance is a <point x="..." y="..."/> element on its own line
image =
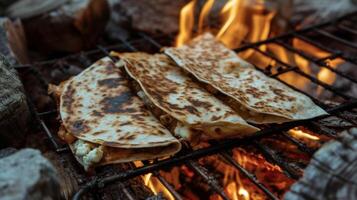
<point x="315" y="60"/>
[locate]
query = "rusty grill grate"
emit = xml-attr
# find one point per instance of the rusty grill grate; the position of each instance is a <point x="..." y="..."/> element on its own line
<point x="344" y="111"/>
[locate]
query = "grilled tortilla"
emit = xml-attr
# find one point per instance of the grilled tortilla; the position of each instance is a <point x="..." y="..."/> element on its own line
<point x="195" y="113"/>
<point x="109" y="123"/>
<point x="256" y="97"/>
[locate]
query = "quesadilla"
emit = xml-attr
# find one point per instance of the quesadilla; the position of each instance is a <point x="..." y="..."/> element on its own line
<point x="255" y="96"/>
<point x="105" y="123"/>
<point x="187" y="109"/>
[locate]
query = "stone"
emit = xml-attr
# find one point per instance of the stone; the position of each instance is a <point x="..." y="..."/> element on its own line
<point x="6" y="152"/>
<point x="74" y="26"/>
<point x="26" y="174"/>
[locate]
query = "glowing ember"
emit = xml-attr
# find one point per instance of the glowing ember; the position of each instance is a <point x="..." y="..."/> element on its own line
<point x="243" y="193"/>
<point x="299" y="134"/>
<point x="237" y="193"/>
<point x="154" y="184"/>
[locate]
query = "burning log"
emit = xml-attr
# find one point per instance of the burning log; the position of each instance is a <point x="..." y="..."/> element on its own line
<point x="331" y="173"/>
<point x="70" y="26"/>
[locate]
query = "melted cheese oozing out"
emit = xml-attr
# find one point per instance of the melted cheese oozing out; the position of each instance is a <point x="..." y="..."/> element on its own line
<point x="88" y="153"/>
<point x="82" y="148"/>
<point x="182" y="131"/>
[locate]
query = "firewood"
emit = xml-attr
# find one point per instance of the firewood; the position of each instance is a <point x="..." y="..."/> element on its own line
<point x="14" y="112"/>
<point x="331" y="173"/>
<point x="13" y="41"/>
<point x="153" y="17"/>
<point x="70" y="26"/>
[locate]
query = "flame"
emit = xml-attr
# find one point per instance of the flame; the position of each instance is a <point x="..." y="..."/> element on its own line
<point x="299" y="134"/>
<point x="327" y="76"/>
<point x="241" y="20"/>
<point x="154" y="184"/>
<point x="233" y="30"/>
<point x="186" y="23"/>
<point x="203" y="15"/>
<point x="237" y="193"/>
<point x="324" y="75"/>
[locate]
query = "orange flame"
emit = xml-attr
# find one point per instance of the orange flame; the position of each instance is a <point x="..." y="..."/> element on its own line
<point x="203" y="15"/>
<point x="154" y="184"/>
<point x="186" y="23"/>
<point x="327" y="76"/>
<point x="299" y="134"/>
<point x="233" y="30"/>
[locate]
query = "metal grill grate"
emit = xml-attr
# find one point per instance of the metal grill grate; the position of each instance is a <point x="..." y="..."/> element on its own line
<point x="224" y="148"/>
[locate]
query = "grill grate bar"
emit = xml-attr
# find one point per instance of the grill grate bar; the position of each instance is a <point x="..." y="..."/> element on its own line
<point x="208" y="178"/>
<point x="150" y="40"/>
<point x="277" y="159"/>
<point x="347" y="29"/>
<point x="301" y="146"/>
<point x="126" y="191"/>
<point x="338" y="39"/>
<point x="168" y="186"/>
<point x="291" y="33"/>
<point x="322" y="129"/>
<point x="327" y="49"/>
<point x="297" y="70"/>
<point x="318" y="62"/>
<point x="49" y="134"/>
<point x="249" y="175"/>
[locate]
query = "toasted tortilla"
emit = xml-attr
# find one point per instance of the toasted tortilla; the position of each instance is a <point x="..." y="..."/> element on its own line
<point x="98" y="107"/>
<point x="255" y="96"/>
<point x="198" y="113"/>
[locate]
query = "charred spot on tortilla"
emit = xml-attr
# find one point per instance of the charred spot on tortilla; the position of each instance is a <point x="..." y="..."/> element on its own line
<point x="110" y="82"/>
<point x="79" y="127"/>
<point x="117" y="104"/>
<point x="97" y="113"/>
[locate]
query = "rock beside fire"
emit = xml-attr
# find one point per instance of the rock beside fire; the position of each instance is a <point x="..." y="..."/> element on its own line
<point x="68" y="27"/>
<point x="331" y="173"/>
<point x="14" y="112"/>
<point x="153" y="17"/>
<point x="26" y="174"/>
<point x="6" y="152"/>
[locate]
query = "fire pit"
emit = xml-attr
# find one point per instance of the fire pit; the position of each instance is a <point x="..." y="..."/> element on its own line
<point x="263" y="166"/>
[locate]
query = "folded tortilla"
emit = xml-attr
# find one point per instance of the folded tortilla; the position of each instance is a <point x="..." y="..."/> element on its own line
<point x="195" y="113"/>
<point x="110" y="124"/>
<point x="255" y="96"/>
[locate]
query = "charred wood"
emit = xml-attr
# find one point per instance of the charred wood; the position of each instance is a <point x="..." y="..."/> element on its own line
<point x="71" y="27"/>
<point x="14" y="111"/>
<point x="331" y="172"/>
